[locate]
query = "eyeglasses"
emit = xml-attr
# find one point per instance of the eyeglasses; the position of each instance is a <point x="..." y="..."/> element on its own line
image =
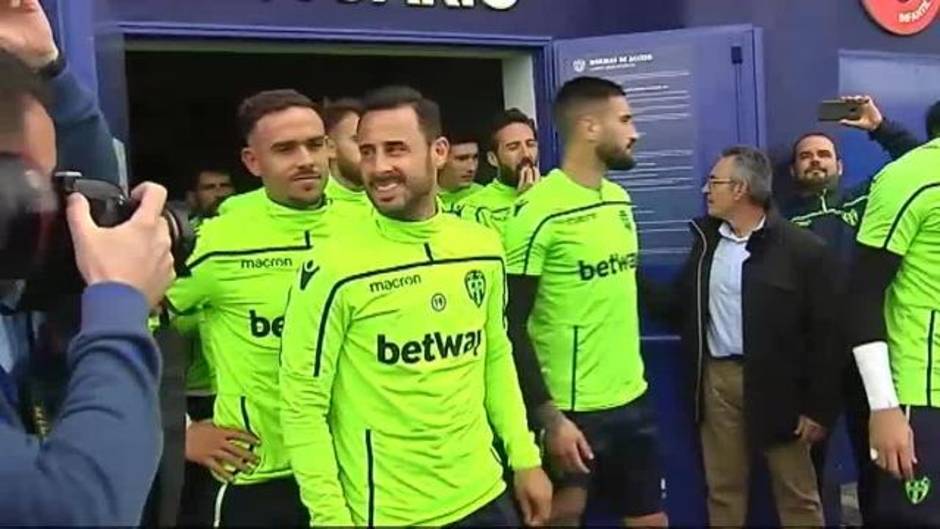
<point x="711" y="183"/>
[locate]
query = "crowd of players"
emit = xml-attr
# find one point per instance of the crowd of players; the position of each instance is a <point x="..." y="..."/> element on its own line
<point x="418" y="352"/>
<point x="376" y="340"/>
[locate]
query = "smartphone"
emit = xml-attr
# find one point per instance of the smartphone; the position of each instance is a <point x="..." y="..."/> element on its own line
<point x="837" y="110"/>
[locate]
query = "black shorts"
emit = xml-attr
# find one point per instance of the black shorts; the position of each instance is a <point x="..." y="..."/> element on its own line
<point x="199" y="487"/>
<point x="915" y="503"/>
<point x="626" y="471"/>
<point x="274" y="503"/>
<point x="500" y="512"/>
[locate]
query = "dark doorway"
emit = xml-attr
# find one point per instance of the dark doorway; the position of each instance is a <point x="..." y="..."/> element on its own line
<point x="182" y="103"/>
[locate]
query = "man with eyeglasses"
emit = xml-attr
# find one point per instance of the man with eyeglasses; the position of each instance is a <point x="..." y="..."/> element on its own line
<point x="754" y="305"/>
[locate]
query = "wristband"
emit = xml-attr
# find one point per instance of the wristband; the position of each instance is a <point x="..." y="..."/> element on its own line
<point x="875" y="369"/>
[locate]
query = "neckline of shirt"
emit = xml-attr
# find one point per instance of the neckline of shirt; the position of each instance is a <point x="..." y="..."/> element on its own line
<point x="728" y="233"/>
<point x="417" y="231"/>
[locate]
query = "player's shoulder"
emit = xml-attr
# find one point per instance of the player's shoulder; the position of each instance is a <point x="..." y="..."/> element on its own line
<point x="545" y="199"/>
<point x="471" y="235"/>
<point x="242" y="200"/>
<point x="217" y="231"/>
<point x="911" y="172"/>
<point x="614" y="192"/>
<point x="478" y="199"/>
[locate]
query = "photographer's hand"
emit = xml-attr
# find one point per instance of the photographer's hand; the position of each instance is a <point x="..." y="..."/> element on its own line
<point x="25" y="32"/>
<point x="136" y="253"/>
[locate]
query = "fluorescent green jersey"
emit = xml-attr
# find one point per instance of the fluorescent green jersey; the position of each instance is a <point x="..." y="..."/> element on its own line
<point x="451" y="198"/>
<point x="200" y="375"/>
<point x="395" y="367"/>
<point x="346" y="202"/>
<point x="582" y="244"/>
<point x="903" y="217"/>
<point x="257" y="197"/>
<point x="490" y="207"/>
<point x="241" y="270"/>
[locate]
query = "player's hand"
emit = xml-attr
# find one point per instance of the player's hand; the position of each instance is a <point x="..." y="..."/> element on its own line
<point x="534" y="494"/>
<point x="568" y="447"/>
<point x="892" y="443"/>
<point x="213" y="447"/>
<point x="870" y="118"/>
<point x="809" y="431"/>
<point x="25" y="32"/>
<point x="529" y="175"/>
<point x="136" y="253"/>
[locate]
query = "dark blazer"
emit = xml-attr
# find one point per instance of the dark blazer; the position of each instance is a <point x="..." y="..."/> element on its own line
<point x="791" y="362"/>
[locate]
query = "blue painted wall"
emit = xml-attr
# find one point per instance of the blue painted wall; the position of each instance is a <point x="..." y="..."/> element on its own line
<point x="802" y="39"/>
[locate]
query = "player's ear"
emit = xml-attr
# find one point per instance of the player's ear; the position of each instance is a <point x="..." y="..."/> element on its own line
<point x="331" y="147"/>
<point x="440" y="148"/>
<point x="492" y="159"/>
<point x="250" y="159"/>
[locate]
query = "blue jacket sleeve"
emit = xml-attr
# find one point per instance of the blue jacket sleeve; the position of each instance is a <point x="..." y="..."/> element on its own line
<point x="96" y="467"/>
<point x="84" y="141"/>
<point x="894" y="139"/>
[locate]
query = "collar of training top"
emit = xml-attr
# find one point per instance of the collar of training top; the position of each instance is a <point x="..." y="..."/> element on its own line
<point x="418" y="231"/>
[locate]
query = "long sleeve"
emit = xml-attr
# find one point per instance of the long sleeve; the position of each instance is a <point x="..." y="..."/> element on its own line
<point x="824" y="361"/>
<point x="894" y="139"/>
<point x="870" y="277"/>
<point x="191" y="292"/>
<point x="314" y="331"/>
<point x="84" y="141"/>
<point x="522" y="293"/>
<point x="96" y="467"/>
<point x="504" y="405"/>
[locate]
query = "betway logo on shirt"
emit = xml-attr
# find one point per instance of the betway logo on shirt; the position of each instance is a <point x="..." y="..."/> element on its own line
<point x="262" y="327"/>
<point x="616" y="264"/>
<point x="434" y="346"/>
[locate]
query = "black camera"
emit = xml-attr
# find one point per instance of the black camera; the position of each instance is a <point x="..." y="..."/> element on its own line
<point x="35" y="243"/>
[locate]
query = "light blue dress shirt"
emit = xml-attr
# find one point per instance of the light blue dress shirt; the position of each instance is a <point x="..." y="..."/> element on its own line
<point x="725" y="331"/>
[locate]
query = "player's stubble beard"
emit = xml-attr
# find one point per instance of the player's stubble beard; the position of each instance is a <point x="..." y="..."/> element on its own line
<point x="616" y="158"/>
<point x="420" y="197"/>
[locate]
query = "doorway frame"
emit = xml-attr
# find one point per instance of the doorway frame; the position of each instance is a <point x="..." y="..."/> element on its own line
<point x="538" y="46"/>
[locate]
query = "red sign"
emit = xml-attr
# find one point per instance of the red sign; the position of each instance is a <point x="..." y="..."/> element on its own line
<point x="903" y="17"/>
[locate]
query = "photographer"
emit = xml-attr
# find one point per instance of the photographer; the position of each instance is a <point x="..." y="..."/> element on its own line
<point x="95" y="464"/>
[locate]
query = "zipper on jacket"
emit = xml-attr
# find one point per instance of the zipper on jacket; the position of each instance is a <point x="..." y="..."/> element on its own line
<point x="574" y="368"/>
<point x="930" y="331"/>
<point x="699" y="319"/>
<point x="370" y="479"/>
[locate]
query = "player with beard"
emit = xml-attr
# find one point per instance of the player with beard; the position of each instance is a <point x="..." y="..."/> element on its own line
<point x="395" y="368"/>
<point x="344" y="189"/>
<point x="514" y="152"/>
<point x="821" y="204"/>
<point x="824" y="206"/>
<point x="572" y="251"/>
<point x="210" y="188"/>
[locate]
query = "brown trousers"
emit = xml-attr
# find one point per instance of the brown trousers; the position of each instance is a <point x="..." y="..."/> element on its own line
<point x="727" y="458"/>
